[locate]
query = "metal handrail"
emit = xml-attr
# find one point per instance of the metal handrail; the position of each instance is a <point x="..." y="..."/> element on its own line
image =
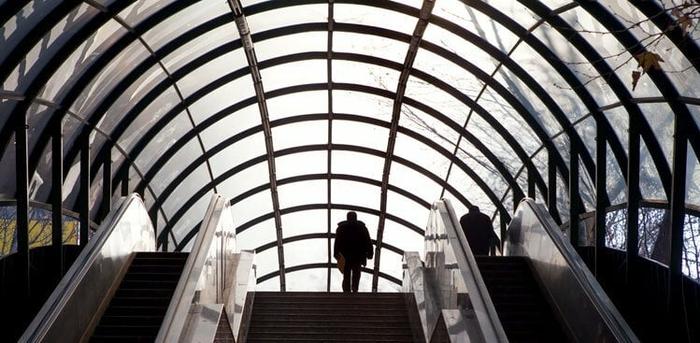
<point x="481" y="302"/>
<point x="610" y="315"/>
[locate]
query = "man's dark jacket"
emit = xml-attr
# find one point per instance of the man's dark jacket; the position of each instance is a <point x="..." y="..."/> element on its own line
<point x="479" y="231"/>
<point x="352" y="240"/>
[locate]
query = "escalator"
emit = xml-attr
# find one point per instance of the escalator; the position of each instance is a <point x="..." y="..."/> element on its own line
<point x="540" y="290"/>
<point x="120" y="289"/>
<point x="137" y="309"/>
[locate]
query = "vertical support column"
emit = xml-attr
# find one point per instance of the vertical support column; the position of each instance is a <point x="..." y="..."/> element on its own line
<point x="600" y="189"/>
<point x="633" y="198"/>
<point x="329" y="153"/>
<point x="552" y="186"/>
<point x="106" y="205"/>
<point x="574" y="209"/>
<point x="22" y="181"/>
<point x="57" y="194"/>
<point x="125" y="181"/>
<point x="531" y="184"/>
<point x="84" y="196"/>
<point x="680" y="153"/>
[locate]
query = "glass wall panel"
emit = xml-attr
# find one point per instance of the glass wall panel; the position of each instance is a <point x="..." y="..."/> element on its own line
<point x="692" y="178"/>
<point x="586" y="187"/>
<point x="605" y="43"/>
<point x="221" y="98"/>
<point x="414" y="182"/>
<point x="429" y="126"/>
<point x="299" y="134"/>
<point x="245" y="180"/>
<point x="179" y="23"/>
<point x="355" y="194"/>
<point x="616" y="229"/>
<point x="654" y="234"/>
<point x="305" y="252"/>
<point x="252" y="207"/>
<point x="436" y="99"/>
<point x="367" y="74"/>
<point x="363" y="104"/>
<point x="15" y="29"/>
<point x="616" y="185"/>
<point x="214" y="69"/>
<point x="290" y="44"/>
<point x="370" y="45"/>
<point x="510" y="119"/>
<point x="171" y="134"/>
<point x="365" y="283"/>
<point x="306" y="222"/>
<point x="216" y="39"/>
<point x="81" y="59"/>
<point x="301" y="193"/>
<point x="403" y="238"/>
<point x="453" y="74"/>
<point x="486" y="170"/>
<point x="231" y="125"/>
<point x="374" y="16"/>
<point x="390" y="263"/>
<point x="42" y="53"/>
<point x="140" y="10"/>
<point x="464" y="184"/>
<point x="287" y="16"/>
<point x="193" y="216"/>
<point x="313" y="162"/>
<point x="309" y="280"/>
<point x="239" y="152"/>
<point x="257" y="235"/>
<point x="649" y="179"/>
<point x="661" y="119"/>
<point x="482" y="25"/>
<point x="289" y="105"/>
<point x="266" y="262"/>
<point x="460" y="46"/>
<point x="695" y="113"/>
<point x="485" y="134"/>
<point x="422" y="155"/>
<point x="185" y="190"/>
<point x="360" y="134"/>
<point x="271" y="285"/>
<point x="459" y="207"/>
<point x="152" y="114"/>
<point x="353" y="163"/>
<point x="174" y="167"/>
<point x="292" y="74"/>
<point x="408" y="209"/>
<point x="691" y="242"/>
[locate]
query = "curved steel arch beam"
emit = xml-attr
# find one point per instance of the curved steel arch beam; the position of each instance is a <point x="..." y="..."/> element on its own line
<point x="324" y="266"/>
<point x="321" y="235"/>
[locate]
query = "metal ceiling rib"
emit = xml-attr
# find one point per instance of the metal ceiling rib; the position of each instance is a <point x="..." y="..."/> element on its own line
<point x="247" y="40"/>
<point x="425" y="11"/>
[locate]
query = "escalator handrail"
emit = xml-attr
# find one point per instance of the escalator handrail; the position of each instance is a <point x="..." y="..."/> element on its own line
<point x="483" y="306"/>
<point x="46" y="317"/>
<point x="175" y="317"/>
<point x="609" y="313"/>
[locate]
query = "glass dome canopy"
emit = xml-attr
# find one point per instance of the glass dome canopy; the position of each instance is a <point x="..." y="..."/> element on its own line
<point x="301" y="110"/>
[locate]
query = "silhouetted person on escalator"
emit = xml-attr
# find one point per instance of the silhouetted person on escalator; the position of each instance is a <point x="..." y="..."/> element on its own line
<point x="479" y="231"/>
<point x="353" y="247"/>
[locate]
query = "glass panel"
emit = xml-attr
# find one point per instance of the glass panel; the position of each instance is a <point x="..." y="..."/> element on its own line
<point x="355" y="194"/>
<point x="485" y="134"/>
<point x="661" y="119"/>
<point x="290" y="44"/>
<point x="309" y="280"/>
<point x="437" y="100"/>
<point x="179" y="23"/>
<point x="176" y="128"/>
<point x="305" y="222"/>
<point x="185" y="190"/>
<point x="482" y="25"/>
<point x="486" y="170"/>
<point x="245" y="180"/>
<point x="365" y="74"/>
<point x="586" y="187"/>
<point x="271" y="285"/>
<point x="192" y="217"/>
<point x="692" y="178"/>
<point x="257" y="235"/>
<point x="414" y="182"/>
<point x="218" y="68"/>
<point x="431" y="127"/>
<point x="403" y="238"/>
<point x="616" y="229"/>
<point x="619" y="121"/>
<point x="422" y="155"/>
<point x="240" y="152"/>
<point x="156" y="111"/>
<point x="390" y="263"/>
<point x="457" y="45"/>
<point x="304" y="163"/>
<point x="363" y="104"/>
<point x="253" y="207"/>
<point x="300" y="134"/>
<point x="374" y="16"/>
<point x="654" y="234"/>
<point x="353" y="163"/>
<point x="216" y="39"/>
<point x="360" y="134"/>
<point x="266" y="262"/>
<point x="286" y="16"/>
<point x="42" y="53"/>
<point x="221" y="98"/>
<point x="301" y="193"/>
<point x="365" y="283"/>
<point x="305" y="252"/>
<point x="174" y="166"/>
<point x="296" y="73"/>
<point x="605" y="43"/>
<point x="511" y="120"/>
<point x="297" y="104"/>
<point x="231" y="125"/>
<point x="370" y="45"/>
<point x="15" y="29"/>
<point x="616" y="187"/>
<point x="695" y="113"/>
<point x="39" y="229"/>
<point x="464" y="184"/>
<point x="649" y="179"/>
<point x="140" y="10"/>
<point x="691" y="253"/>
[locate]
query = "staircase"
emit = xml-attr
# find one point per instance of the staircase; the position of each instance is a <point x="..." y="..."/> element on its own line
<point x="136" y="311"/>
<point x="329" y="317"/>
<point x="524" y="313"/>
